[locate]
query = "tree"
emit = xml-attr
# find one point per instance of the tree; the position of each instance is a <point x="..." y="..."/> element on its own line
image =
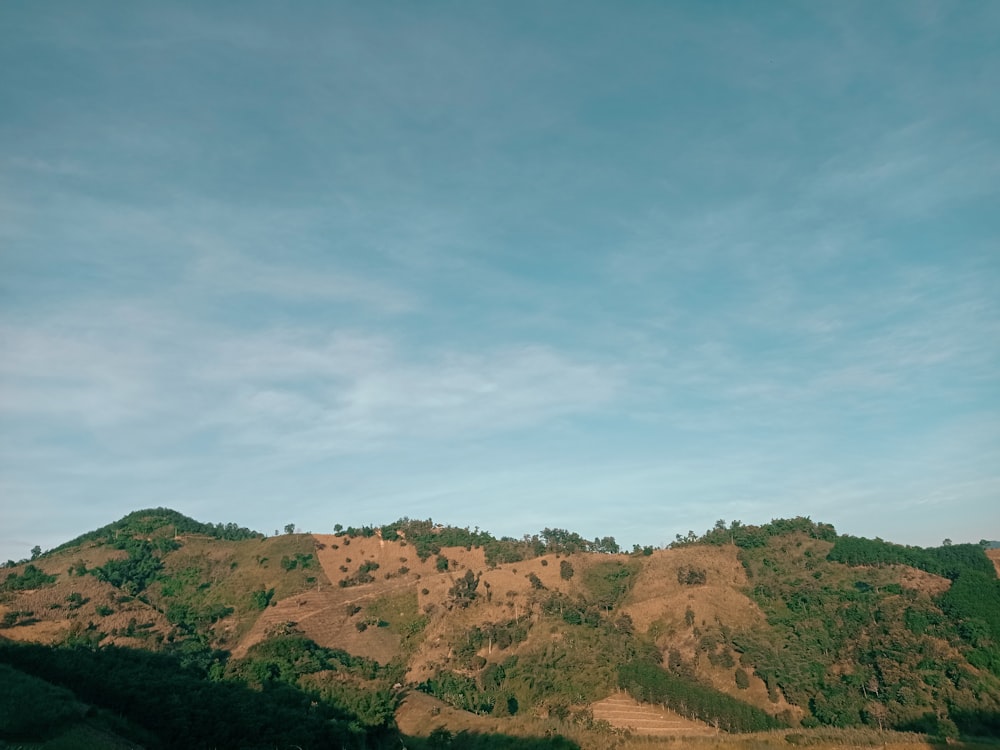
<point x="464" y="591"/>
<point x="742" y="679"/>
<point x="439" y="738"/>
<point x="289" y="528"/>
<point x="35" y="552"/>
<point x="565" y="570"/>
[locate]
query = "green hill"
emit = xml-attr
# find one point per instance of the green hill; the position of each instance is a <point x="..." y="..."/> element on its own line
<point x="164" y="631"/>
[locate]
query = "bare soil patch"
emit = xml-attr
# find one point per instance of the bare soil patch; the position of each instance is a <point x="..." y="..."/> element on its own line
<point x="994" y="555"/>
<point x="419" y="714"/>
<point x="919" y="580"/>
<point x="658" y="597"/>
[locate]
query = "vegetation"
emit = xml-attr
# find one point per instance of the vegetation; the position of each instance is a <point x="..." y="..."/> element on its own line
<point x="948" y="560"/>
<point x="429" y="539"/>
<point x="853" y="634"/>
<point x="178" y="704"/>
<point x="650" y="682"/>
<point x="749" y="537"/>
<point x="133" y="574"/>
<point x="30" y="578"/>
<point x="32" y="709"/>
<point x="159" y="521"/>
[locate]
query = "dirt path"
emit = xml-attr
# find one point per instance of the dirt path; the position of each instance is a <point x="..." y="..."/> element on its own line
<point x="322" y="615"/>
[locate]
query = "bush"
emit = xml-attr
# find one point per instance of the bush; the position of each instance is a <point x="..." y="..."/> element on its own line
<point x="566" y="570"/>
<point x="30" y="578"/>
<point x="691" y="576"/>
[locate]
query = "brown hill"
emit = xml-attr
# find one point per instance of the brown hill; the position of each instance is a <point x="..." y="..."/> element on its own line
<point x="454" y="614"/>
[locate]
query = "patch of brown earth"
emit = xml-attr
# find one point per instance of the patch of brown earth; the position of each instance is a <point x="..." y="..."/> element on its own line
<point x="919" y="580"/>
<point x="659" y="599"/>
<point x="79" y="601"/>
<point x="504" y="593"/>
<point x="994" y="555"/>
<point x="419" y="714"/>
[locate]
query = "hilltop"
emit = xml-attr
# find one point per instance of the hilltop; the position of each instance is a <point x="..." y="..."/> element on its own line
<point x="455" y="637"/>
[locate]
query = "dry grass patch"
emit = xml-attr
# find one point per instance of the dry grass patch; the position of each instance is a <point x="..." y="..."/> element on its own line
<point x="994" y="555"/>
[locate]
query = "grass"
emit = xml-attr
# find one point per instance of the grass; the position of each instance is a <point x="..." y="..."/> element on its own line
<point x="207" y="572"/>
<point x="399" y="609"/>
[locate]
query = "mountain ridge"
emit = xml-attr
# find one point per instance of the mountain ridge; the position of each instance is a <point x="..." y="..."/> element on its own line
<point x="746" y="623"/>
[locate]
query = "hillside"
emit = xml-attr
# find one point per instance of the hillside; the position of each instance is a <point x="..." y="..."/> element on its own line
<point x="413" y="626"/>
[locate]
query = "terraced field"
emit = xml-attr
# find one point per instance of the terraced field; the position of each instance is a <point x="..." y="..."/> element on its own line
<point x="624" y="712"/>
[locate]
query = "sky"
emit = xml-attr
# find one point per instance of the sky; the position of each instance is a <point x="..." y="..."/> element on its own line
<point x="620" y="268"/>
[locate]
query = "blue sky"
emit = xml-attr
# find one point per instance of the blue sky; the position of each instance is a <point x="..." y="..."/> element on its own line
<point x="623" y="268"/>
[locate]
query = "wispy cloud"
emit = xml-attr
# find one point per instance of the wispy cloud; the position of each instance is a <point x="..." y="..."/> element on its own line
<point x="638" y="269"/>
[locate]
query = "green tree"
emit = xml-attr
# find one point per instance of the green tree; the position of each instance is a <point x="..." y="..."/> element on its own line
<point x="565" y="570"/>
<point x="463" y="593"/>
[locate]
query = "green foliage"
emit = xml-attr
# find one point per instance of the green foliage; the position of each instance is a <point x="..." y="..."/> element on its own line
<point x="14" y="617"/>
<point x="750" y="537"/>
<point x="607" y="583"/>
<point x="567" y="542"/>
<point x="400" y="613"/>
<point x="852" y="646"/>
<point x="688" y="575"/>
<point x="159" y="521"/>
<point x="30" y="578"/>
<point x="460" y="691"/>
<point x="650" y="682"/>
<point x="504" y="550"/>
<point x="177" y="704"/>
<point x="362" y="576"/>
<point x="261" y="598"/>
<point x="463" y="593"/>
<point x="354" y="685"/>
<point x="134" y="573"/>
<point x="32" y="709"/>
<point x="192" y="619"/>
<point x="76" y="600"/>
<point x="298" y="560"/>
<point x="565" y="570"/>
<point x="973" y="603"/>
<point x="494" y="635"/>
<point x="429" y="539"/>
<point x="948" y="561"/>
